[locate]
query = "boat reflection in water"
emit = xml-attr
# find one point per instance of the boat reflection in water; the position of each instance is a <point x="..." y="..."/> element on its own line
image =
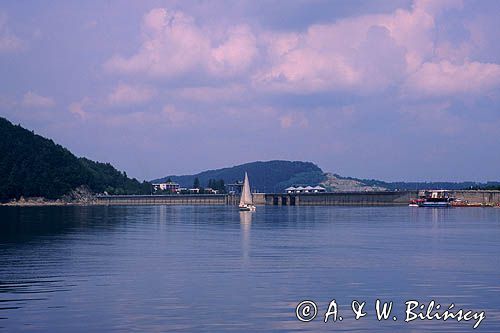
<point x="245" y="225"/>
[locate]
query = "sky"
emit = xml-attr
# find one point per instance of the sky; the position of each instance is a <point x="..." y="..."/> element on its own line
<point x="392" y="90"/>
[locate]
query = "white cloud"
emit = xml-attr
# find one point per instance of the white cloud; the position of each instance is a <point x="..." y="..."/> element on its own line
<point x="125" y="94"/>
<point x="33" y="100"/>
<point x="173" y="44"/>
<point x="362" y="53"/>
<point x="365" y="54"/>
<point x="236" y="53"/>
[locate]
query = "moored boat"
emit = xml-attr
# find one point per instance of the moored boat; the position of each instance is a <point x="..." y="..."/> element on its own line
<point x="433" y="198"/>
<point x="416" y="202"/>
<point x="436" y="199"/>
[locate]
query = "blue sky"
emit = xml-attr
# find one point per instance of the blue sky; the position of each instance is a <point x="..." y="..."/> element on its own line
<point x="394" y="90"/>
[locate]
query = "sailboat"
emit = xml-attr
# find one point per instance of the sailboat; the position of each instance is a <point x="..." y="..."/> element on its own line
<point x="246" y="202"/>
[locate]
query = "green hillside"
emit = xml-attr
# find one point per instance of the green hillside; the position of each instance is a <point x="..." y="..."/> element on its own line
<point x="32" y="166"/>
<point x="267" y="176"/>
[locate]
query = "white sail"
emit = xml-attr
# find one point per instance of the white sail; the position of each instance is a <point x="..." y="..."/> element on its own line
<point x="246" y="195"/>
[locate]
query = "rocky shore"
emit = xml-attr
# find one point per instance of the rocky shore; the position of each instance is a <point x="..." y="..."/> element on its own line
<point x="81" y="196"/>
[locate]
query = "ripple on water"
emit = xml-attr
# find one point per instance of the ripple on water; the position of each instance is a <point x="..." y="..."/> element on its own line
<point x="212" y="269"/>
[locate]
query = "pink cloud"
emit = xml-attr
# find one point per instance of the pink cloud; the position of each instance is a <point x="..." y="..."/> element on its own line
<point x="78" y="108"/>
<point x="125" y="94"/>
<point x="168" y="117"/>
<point x="446" y="78"/>
<point x="174" y="44"/>
<point x="33" y="100"/>
<point x="207" y="94"/>
<point x="380" y="51"/>
<point x="363" y="55"/>
<point x="293" y="120"/>
<point x="236" y="53"/>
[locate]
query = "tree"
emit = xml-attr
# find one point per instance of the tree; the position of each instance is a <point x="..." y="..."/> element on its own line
<point x="33" y="166"/>
<point x="196" y="183"/>
<point x="219" y="185"/>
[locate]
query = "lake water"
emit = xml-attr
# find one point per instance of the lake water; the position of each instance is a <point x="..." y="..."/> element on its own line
<point x="214" y="269"/>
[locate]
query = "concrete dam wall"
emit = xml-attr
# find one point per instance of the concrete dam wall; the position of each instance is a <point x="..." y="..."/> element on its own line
<point x="354" y="198"/>
<point x="341" y="198"/>
<point x="194" y="199"/>
<point x="302" y="199"/>
<point x="483" y="197"/>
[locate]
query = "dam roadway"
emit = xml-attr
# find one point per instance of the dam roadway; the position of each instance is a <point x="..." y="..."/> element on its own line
<point x="296" y="199"/>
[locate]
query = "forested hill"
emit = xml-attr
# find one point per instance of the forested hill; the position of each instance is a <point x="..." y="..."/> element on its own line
<point x="267" y="176"/>
<point x="33" y="166"/>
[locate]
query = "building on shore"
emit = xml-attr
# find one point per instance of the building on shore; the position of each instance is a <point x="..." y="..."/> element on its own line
<point x="209" y="190"/>
<point x="306" y="189"/>
<point x="170" y="187"/>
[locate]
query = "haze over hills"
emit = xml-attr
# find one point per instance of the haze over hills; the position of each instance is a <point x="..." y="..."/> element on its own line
<point x="276" y="175"/>
<point x="33" y="166"/>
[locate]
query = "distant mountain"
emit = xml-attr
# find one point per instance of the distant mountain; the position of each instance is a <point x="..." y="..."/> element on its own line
<point x="32" y="166"/>
<point x="269" y="176"/>
<point x="275" y="176"/>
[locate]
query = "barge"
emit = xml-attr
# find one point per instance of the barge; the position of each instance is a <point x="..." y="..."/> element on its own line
<point x="433" y="198"/>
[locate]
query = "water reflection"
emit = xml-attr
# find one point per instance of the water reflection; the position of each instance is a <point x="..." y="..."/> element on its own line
<point x="245" y="225"/>
<point x="215" y="269"/>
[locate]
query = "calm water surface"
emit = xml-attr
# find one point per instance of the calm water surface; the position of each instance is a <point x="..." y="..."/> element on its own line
<point x="214" y="269"/>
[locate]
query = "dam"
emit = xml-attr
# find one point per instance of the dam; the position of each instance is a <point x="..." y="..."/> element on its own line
<point x="297" y="199"/>
<point x="168" y="199"/>
<point x="338" y="198"/>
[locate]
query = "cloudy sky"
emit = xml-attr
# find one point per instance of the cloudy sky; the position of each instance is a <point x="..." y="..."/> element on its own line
<point x="394" y="90"/>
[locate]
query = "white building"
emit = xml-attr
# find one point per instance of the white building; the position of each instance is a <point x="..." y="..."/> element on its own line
<point x="171" y="187"/>
<point x="307" y="189"/>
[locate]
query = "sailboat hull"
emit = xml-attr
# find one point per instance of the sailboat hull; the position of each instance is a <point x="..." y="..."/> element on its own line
<point x="247" y="208"/>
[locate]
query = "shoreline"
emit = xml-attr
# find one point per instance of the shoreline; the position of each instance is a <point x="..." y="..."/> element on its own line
<point x="47" y="203"/>
<point x="465" y="198"/>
